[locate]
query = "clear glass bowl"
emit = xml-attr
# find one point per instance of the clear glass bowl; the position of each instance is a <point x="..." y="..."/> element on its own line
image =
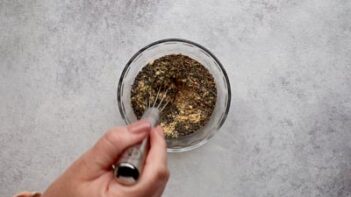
<point x="201" y="54"/>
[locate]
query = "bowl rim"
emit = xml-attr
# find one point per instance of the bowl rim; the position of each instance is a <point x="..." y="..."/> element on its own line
<point x="126" y="68"/>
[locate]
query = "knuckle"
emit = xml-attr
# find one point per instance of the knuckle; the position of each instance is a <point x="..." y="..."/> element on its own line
<point x="167" y="174"/>
<point x="163" y="144"/>
<point x="162" y="174"/>
<point x="111" y="136"/>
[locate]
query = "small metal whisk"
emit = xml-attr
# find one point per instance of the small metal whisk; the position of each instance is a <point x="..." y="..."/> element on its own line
<point x="129" y="167"/>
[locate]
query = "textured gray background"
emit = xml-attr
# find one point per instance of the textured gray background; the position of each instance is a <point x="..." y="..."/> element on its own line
<point x="289" y="63"/>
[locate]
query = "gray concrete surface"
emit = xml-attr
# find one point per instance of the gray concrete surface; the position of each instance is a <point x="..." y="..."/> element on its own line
<point x="289" y="62"/>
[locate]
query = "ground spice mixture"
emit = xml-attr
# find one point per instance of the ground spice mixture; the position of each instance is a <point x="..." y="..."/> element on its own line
<point x="185" y="84"/>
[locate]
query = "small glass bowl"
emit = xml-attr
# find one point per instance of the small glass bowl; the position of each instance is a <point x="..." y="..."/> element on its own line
<point x="164" y="47"/>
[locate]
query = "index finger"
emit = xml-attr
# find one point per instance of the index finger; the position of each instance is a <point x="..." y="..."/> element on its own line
<point x="155" y="174"/>
<point x="106" y="151"/>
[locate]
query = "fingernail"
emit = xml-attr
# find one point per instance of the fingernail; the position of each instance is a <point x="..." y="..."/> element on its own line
<point x="139" y="126"/>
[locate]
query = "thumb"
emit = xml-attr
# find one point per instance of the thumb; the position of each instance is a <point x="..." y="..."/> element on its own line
<point x="108" y="148"/>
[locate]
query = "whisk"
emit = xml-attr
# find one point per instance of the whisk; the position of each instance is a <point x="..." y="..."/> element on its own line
<point x="129" y="167"/>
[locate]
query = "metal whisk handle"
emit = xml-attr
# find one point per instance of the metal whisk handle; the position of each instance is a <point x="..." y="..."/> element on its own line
<point x="129" y="167"/>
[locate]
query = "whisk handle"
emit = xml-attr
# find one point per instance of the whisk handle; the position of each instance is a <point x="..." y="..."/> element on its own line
<point x="129" y="167"/>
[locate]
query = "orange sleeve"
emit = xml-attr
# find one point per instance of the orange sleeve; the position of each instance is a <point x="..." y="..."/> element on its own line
<point x="28" y="194"/>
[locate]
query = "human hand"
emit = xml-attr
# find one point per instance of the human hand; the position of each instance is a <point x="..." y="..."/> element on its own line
<point x="91" y="174"/>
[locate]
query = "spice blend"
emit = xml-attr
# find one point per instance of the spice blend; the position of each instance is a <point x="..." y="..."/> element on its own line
<point x="185" y="84"/>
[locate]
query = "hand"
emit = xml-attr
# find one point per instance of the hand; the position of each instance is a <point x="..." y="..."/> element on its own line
<point x="91" y="175"/>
